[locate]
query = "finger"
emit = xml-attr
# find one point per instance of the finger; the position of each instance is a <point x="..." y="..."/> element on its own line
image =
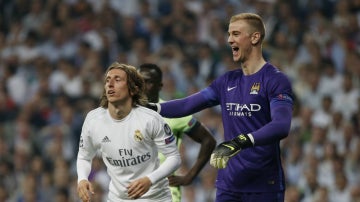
<point x="135" y="193"/>
<point x="84" y="197"/>
<point x="219" y="163"/>
<point x="86" y="193"/>
<point x="132" y="188"/>
<point x="91" y="189"/>
<point x="223" y="161"/>
<point x="212" y="160"/>
<point x="83" y="194"/>
<point x="173" y="181"/>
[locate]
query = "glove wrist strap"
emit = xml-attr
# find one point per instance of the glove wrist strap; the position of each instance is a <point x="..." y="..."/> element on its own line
<point x="243" y="141"/>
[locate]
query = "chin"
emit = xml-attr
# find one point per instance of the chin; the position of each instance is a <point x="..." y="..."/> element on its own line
<point x="236" y="59"/>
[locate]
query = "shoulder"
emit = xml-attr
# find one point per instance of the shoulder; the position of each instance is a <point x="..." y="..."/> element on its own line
<point x="277" y="82"/>
<point x="96" y="113"/>
<point x="273" y="71"/>
<point x="146" y="113"/>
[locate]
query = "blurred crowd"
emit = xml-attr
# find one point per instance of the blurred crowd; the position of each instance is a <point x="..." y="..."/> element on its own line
<point x="53" y="54"/>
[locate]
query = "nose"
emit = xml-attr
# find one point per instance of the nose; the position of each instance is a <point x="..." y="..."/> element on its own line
<point x="230" y="39"/>
<point x="110" y="83"/>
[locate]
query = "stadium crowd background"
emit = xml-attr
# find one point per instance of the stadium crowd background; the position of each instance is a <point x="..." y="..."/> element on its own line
<point x="53" y="54"/>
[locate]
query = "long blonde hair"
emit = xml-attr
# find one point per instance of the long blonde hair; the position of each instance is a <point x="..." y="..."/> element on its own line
<point x="135" y="82"/>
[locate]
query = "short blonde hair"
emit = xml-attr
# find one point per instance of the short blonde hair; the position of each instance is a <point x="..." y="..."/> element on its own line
<point x="135" y="83"/>
<point x="255" y="21"/>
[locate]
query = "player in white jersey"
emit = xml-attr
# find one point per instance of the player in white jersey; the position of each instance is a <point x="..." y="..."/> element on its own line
<point x="129" y="137"/>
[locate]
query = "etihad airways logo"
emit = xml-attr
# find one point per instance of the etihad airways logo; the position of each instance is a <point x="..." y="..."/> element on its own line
<point x="236" y="109"/>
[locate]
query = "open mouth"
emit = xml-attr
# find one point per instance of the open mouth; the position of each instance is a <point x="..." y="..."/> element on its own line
<point x="235" y="50"/>
<point x="111" y="92"/>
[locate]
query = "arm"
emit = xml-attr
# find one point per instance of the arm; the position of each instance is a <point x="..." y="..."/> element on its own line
<point x="171" y="163"/>
<point x="140" y="186"/>
<point x="201" y="135"/>
<point x="84" y="187"/>
<point x="188" y="105"/>
<point x="277" y="129"/>
<point x="83" y="164"/>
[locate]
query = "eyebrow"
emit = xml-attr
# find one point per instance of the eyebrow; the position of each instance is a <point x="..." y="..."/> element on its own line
<point x="115" y="76"/>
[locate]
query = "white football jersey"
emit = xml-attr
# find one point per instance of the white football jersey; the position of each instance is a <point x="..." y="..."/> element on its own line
<point x="129" y="148"/>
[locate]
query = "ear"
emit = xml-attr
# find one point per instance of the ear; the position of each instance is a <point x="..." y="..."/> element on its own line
<point x="255" y="38"/>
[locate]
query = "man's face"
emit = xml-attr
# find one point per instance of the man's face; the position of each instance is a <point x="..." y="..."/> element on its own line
<point x="116" y="86"/>
<point x="152" y="84"/>
<point x="240" y="40"/>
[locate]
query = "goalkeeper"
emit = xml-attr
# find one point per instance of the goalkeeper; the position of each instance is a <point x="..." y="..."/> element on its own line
<point x="188" y="125"/>
<point x="256" y="102"/>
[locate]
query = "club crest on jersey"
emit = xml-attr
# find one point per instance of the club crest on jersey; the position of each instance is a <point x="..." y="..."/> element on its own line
<point x="138" y="136"/>
<point x="255" y="88"/>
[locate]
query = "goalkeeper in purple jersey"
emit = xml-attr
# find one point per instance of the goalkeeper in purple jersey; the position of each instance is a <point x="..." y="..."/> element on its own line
<point x="256" y="102"/>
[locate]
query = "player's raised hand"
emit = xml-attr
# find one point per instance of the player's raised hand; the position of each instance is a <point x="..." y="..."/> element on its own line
<point x="85" y="190"/>
<point x="224" y="151"/>
<point x="138" y="187"/>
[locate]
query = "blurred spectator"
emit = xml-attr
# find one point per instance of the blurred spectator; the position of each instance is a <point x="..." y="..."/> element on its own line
<point x="351" y="93"/>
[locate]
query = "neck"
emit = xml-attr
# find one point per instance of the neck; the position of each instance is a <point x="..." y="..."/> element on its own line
<point x="154" y="99"/>
<point x="253" y="64"/>
<point x="119" y="112"/>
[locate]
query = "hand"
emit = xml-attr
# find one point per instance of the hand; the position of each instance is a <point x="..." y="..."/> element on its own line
<point x="224" y="151"/>
<point x="175" y="180"/>
<point x="138" y="187"/>
<point x="84" y="190"/>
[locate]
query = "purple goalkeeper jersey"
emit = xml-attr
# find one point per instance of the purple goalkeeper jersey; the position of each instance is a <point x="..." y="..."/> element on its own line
<point x="260" y="104"/>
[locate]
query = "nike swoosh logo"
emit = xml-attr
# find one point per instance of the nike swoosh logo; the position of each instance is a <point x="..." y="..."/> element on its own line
<point x="228" y="146"/>
<point x="230" y="88"/>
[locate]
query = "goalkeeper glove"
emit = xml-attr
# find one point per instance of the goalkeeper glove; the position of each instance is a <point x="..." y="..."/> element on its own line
<point x="224" y="151"/>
